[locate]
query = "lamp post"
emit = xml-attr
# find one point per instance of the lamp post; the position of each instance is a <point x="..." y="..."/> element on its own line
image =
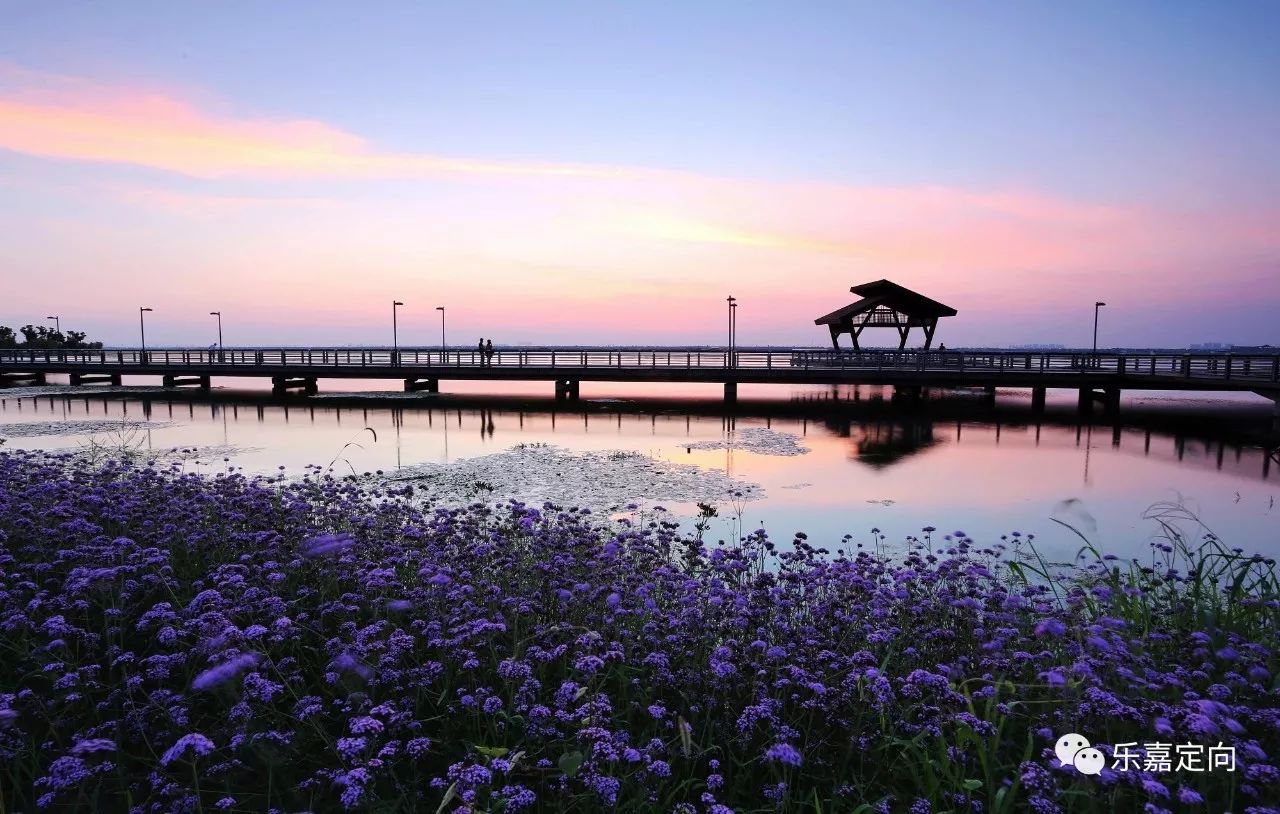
<point x="729" y="356"/>
<point x="1096" y="306"/>
<point x="218" y="314"/>
<point x="57" y="324"/>
<point x="142" y="326"/>
<point x="443" y="345"/>
<point x="395" y="338"/>
<point x="733" y="324"/>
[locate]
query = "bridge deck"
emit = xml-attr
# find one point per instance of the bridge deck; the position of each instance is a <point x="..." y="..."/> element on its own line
<point x="1080" y="369"/>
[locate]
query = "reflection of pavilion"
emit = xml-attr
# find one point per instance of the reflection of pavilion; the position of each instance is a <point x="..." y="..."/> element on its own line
<point x="879" y="444"/>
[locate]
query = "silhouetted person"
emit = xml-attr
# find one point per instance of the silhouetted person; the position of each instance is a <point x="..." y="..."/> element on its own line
<point x="480" y="349"/>
<point x="942" y="348"/>
<point x="488" y="352"/>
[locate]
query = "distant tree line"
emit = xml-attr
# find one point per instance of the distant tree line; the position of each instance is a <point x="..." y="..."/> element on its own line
<point x="40" y="336"/>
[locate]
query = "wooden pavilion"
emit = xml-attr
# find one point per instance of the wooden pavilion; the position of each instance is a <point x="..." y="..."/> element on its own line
<point x="885" y="305"/>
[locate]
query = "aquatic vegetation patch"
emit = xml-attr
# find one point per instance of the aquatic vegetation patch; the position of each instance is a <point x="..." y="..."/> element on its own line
<point x="208" y="453"/>
<point x="41" y="429"/>
<point x="27" y="391"/>
<point x="759" y="440"/>
<point x="602" y="481"/>
<point x="17" y="391"/>
<point x="173" y="642"/>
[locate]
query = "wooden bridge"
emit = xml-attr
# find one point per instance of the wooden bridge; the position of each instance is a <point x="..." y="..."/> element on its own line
<point x="1097" y="376"/>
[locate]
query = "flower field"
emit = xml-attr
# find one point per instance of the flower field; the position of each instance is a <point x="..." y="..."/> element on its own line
<point x="173" y="642"/>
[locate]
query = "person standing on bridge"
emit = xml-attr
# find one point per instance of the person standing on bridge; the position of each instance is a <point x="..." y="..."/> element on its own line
<point x="488" y="352"/>
<point x="480" y="350"/>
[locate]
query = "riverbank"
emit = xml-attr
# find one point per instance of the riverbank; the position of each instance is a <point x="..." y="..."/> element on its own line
<point x="232" y="643"/>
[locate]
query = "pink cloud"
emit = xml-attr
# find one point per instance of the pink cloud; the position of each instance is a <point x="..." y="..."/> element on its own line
<point x="61" y="117"/>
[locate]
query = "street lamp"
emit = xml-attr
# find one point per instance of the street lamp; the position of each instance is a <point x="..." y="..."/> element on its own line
<point x="733" y="323"/>
<point x="1096" y="306"/>
<point x="218" y="314"/>
<point x="57" y="324"/>
<point x="443" y="345"/>
<point x="729" y="357"/>
<point x="395" y="339"/>
<point x="142" y="326"/>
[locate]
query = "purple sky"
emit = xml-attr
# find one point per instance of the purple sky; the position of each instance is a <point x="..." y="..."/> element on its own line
<point x="582" y="173"/>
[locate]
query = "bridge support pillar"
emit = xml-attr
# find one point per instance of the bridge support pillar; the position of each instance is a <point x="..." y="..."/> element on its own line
<point x="1111" y="401"/>
<point x="172" y="380"/>
<point x="1037" y="399"/>
<point x="989" y="394"/>
<point x="1109" y="396"/>
<point x="21" y="377"/>
<point x="903" y="391"/>
<point x="567" y="389"/>
<point x="730" y="392"/>
<point x="95" y="378"/>
<point x="282" y="384"/>
<point x="417" y="385"/>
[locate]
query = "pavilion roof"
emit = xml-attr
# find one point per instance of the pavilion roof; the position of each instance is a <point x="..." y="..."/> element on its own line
<point x="892" y="295"/>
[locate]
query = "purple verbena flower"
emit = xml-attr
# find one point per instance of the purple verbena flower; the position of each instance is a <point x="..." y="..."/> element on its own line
<point x="783" y="753"/>
<point x="227" y="671"/>
<point x="194" y="742"/>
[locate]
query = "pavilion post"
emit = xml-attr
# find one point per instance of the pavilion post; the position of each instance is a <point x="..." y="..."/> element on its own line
<point x="929" y="328"/>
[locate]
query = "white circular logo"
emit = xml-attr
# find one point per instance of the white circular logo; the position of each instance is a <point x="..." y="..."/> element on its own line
<point x="1068" y="745"/>
<point x="1089" y="761"/>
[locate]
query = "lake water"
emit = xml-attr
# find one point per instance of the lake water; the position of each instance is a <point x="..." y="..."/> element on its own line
<point x="828" y="461"/>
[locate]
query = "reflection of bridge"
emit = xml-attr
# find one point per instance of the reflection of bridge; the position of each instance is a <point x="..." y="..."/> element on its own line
<point x="882" y="432"/>
<point x="883" y="441"/>
<point x="1095" y="375"/>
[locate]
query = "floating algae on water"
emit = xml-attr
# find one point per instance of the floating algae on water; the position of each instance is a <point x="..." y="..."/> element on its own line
<point x="41" y="429"/>
<point x="211" y="453"/>
<point x="760" y="440"/>
<point x="602" y="481"/>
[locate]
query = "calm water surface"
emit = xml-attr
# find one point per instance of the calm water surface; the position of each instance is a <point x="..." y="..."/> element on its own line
<point x="951" y="462"/>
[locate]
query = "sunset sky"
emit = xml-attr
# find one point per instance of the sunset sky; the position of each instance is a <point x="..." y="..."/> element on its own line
<point x="609" y="172"/>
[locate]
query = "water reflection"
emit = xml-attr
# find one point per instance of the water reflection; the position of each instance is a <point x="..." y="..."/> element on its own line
<point x="881" y="443"/>
<point x="880" y="432"/>
<point x="871" y="460"/>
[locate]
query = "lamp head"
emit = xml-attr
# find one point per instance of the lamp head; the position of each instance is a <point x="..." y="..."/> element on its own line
<point x="146" y="309"/>
<point x="396" y="302"/>
<point x="1098" y="304"/>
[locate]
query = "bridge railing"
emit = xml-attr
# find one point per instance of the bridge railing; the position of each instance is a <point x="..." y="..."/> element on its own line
<point x="1165" y="365"/>
<point x="1247" y="368"/>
